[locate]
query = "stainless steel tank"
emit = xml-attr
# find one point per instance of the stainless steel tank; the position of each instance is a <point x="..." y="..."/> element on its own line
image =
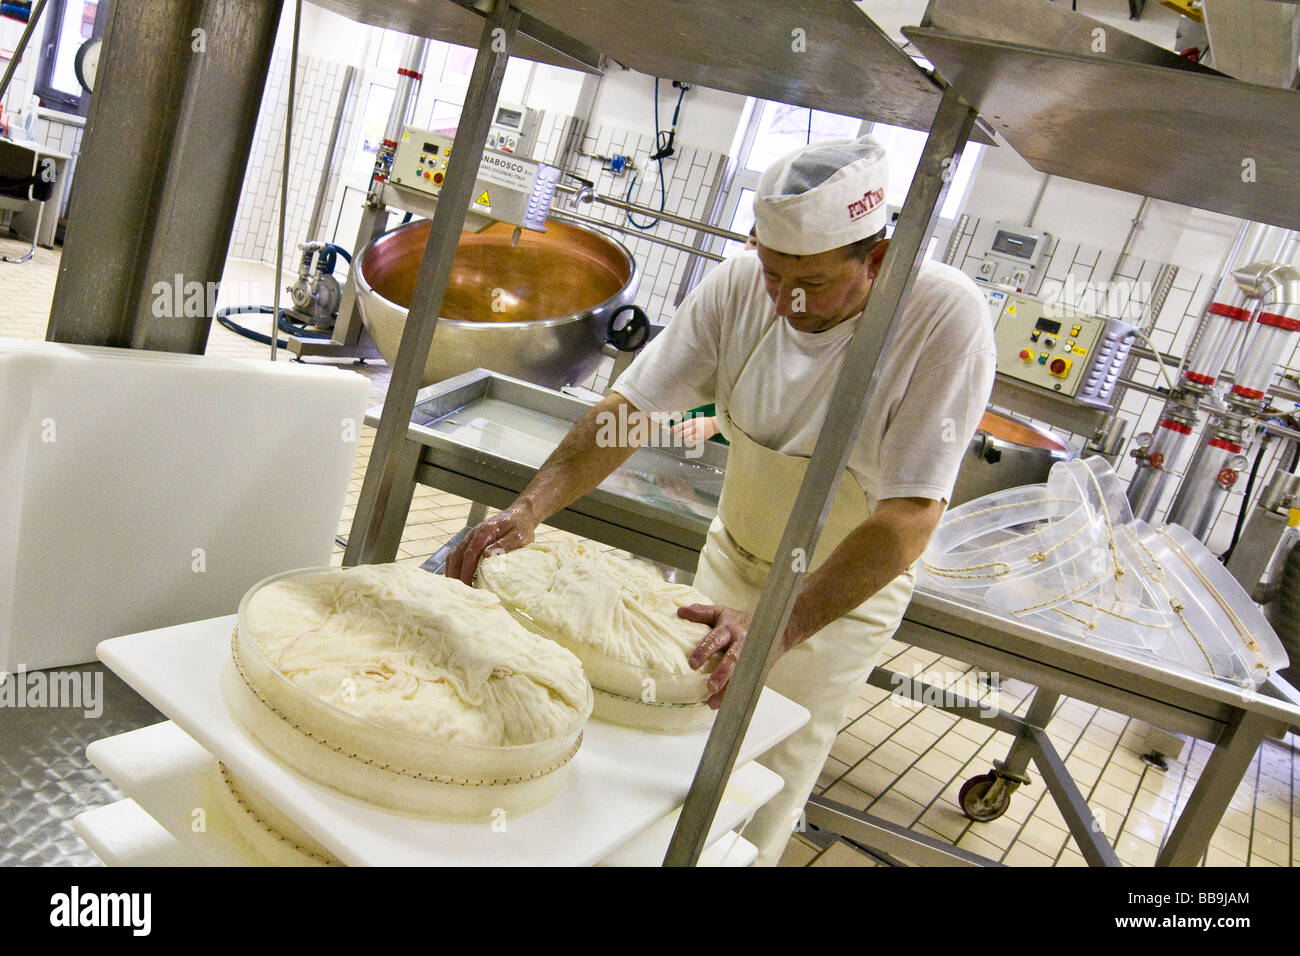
<point x="1005" y="453"/>
<point x="539" y="310"/>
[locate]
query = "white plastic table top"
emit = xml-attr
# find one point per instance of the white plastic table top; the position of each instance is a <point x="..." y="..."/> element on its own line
<point x="622" y="780"/>
<point x="167" y="775"/>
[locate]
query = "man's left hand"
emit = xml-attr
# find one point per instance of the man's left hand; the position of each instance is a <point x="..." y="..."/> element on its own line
<point x="727" y="636"/>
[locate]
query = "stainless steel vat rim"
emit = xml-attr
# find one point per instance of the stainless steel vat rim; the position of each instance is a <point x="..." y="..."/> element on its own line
<point x="634" y="276"/>
<point x="1169" y="134"/>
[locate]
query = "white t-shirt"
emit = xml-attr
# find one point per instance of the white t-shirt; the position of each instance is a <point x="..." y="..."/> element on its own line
<point x="931" y="385"/>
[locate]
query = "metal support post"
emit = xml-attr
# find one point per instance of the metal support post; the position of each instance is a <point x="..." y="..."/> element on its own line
<point x="1233" y="752"/>
<point x="346" y="338"/>
<point x="382" y="475"/>
<point x="170" y="127"/>
<point x="948" y="135"/>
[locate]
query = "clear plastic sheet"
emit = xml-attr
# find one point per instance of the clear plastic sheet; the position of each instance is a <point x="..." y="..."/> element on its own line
<point x="1069" y="557"/>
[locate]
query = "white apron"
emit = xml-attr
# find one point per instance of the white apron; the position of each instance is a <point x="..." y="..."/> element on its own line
<point x="824" y="673"/>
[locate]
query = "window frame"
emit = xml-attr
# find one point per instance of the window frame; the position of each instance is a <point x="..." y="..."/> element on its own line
<point x="51" y="98"/>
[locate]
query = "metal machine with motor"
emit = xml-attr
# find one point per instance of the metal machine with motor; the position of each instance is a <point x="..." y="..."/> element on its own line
<point x="510" y="188"/>
<point x="316" y="292"/>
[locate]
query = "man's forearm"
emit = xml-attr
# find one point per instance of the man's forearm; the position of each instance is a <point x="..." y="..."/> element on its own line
<point x="876" y="552"/>
<point x="585" y="457"/>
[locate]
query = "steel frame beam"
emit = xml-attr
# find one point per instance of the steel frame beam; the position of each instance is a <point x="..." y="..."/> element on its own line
<point x="952" y="127"/>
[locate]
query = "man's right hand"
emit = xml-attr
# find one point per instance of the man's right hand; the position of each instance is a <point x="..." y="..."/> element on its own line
<point x="581" y="462"/>
<point x="505" y="531"/>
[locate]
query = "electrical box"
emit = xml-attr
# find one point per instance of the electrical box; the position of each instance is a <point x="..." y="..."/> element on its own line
<point x="513" y="129"/>
<point x="1071" y="354"/>
<point x="509" y="188"/>
<point x="997" y="300"/>
<point x="1012" y="256"/>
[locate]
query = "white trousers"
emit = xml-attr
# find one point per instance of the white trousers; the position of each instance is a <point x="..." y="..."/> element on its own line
<point x="824" y="674"/>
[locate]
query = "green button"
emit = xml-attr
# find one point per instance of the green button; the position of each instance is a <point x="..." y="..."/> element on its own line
<point x="1042" y="360"/>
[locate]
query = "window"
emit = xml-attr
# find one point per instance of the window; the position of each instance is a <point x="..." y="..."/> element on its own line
<point x="771" y="130"/>
<point x="374" y="117"/>
<point x="903" y="147"/>
<point x="782" y="128"/>
<point x="68" y="25"/>
<point x="742" y="220"/>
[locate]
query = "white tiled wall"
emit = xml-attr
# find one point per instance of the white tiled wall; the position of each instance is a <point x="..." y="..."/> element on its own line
<point x="1172" y="334"/>
<point x="316" y="93"/>
<point x="689" y="176"/>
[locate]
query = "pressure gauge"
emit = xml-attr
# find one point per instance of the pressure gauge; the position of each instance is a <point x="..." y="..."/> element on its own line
<point x="86" y="63"/>
<point x="1238" y="462"/>
<point x="1143" y="439"/>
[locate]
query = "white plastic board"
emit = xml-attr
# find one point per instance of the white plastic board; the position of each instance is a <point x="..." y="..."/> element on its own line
<point x="750" y="787"/>
<point x="142" y="489"/>
<point x="169" y="776"/>
<point x="122" y="834"/>
<point x="622" y="780"/>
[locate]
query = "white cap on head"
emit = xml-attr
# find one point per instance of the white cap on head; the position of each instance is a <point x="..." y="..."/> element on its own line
<point x="821" y="197"/>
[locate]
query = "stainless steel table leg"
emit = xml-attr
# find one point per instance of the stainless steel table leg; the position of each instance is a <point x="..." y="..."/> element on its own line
<point x="1039" y="714"/>
<point x="477" y="512"/>
<point x="1233" y="752"/>
<point x="986" y="797"/>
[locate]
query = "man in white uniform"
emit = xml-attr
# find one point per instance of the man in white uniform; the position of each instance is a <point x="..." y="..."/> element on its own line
<point x="765" y="336"/>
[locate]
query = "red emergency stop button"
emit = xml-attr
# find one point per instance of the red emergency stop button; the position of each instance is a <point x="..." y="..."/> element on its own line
<point x="437" y="178"/>
<point x="1026" y="355"/>
<point x="1060" y="367"/>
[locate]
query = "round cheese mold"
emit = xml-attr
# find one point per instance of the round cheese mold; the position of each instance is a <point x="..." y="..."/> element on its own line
<point x="405" y="689"/>
<point x="618" y="615"/>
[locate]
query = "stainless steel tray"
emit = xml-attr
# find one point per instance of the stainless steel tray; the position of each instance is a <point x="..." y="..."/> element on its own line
<point x="484" y="435"/>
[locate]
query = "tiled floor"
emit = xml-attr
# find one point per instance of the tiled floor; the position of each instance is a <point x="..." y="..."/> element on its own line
<point x="900" y="763"/>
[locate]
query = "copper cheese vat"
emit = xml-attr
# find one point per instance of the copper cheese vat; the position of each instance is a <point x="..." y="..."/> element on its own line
<point x="539" y="310"/>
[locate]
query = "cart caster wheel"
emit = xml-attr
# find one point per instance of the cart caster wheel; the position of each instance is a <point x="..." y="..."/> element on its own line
<point x="971" y="797"/>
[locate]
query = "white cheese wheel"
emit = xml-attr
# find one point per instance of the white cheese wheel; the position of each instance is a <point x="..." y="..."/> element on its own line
<point x="271" y="836"/>
<point x="406" y="689"/>
<point x="619" y="616"/>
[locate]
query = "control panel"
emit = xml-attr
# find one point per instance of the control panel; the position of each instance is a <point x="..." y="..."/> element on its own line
<point x="509" y="188"/>
<point x="1072" y="354"/>
<point x="997" y="300"/>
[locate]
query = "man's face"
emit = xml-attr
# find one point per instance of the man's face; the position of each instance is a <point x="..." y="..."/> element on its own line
<point x="814" y="293"/>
